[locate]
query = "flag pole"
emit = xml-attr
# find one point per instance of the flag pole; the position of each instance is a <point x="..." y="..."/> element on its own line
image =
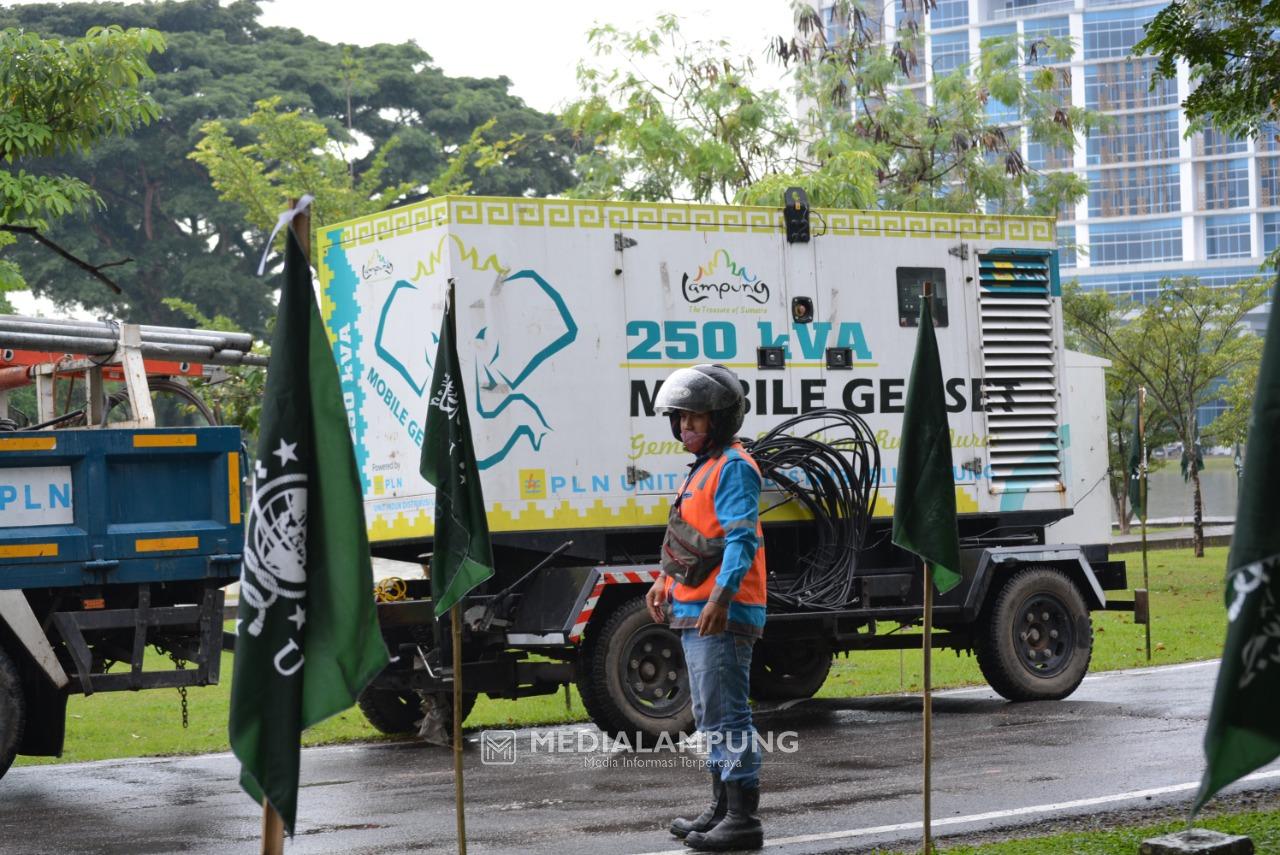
<point x="1142" y="487"/>
<point x="928" y="707"/>
<point x="272" y="830"/>
<point x="455" y="624"/>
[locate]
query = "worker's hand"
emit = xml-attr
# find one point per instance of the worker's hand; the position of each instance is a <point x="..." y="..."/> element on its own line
<point x="655" y="598"/>
<point x="713" y="619"/>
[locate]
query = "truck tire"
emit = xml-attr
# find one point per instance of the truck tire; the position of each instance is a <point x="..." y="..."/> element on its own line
<point x="1037" y="639"/>
<point x="638" y="680"/>
<point x="394" y="712"/>
<point x="13" y="712"/>
<point x="790" y="671"/>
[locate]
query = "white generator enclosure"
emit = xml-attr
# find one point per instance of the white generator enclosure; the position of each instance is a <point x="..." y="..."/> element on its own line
<point x="571" y="313"/>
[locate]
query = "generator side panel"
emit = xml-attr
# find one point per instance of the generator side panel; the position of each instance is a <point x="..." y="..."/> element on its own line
<point x="571" y="313"/>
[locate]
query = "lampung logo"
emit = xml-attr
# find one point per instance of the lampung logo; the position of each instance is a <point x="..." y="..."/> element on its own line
<point x="722" y="277"/>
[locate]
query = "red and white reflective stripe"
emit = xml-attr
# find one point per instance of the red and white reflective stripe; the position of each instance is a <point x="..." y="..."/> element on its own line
<point x="608" y="577"/>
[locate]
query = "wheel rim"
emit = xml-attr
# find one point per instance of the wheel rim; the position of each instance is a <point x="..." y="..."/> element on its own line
<point x="654" y="678"/>
<point x="1043" y="635"/>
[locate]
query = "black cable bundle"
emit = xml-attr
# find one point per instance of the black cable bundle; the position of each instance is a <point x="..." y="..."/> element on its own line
<point x="828" y="461"/>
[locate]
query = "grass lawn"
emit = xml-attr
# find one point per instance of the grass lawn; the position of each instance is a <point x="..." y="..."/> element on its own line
<point x="1263" y="827"/>
<point x="1188" y="624"/>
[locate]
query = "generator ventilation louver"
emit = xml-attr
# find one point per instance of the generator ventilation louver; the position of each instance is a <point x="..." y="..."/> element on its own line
<point x="1019" y="369"/>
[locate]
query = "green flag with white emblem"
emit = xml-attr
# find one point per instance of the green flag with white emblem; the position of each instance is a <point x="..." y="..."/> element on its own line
<point x="461" y="554"/>
<point x="1244" y="730"/>
<point x="924" y="507"/>
<point x="307" y="637"/>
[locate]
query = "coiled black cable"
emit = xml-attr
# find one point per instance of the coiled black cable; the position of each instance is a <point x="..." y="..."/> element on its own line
<point x="828" y="462"/>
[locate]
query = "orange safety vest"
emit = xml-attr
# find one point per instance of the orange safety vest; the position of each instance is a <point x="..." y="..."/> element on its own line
<point x="698" y="508"/>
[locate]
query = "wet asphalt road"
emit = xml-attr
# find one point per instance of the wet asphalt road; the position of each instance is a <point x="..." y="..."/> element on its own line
<point x="852" y="783"/>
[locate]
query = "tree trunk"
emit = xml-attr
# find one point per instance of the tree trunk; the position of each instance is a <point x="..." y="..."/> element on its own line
<point x="1118" y="501"/>
<point x="1197" y="519"/>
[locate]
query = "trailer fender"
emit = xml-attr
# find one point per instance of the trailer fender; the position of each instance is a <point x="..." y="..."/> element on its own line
<point x="16" y="614"/>
<point x="998" y="562"/>
<point x="604" y="578"/>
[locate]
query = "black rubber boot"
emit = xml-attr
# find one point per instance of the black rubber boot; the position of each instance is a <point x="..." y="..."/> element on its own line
<point x="740" y="828"/>
<point x="707" y="820"/>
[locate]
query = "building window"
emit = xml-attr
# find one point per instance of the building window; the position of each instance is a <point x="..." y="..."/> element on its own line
<point x="1034" y="31"/>
<point x="1126" y="86"/>
<point x="1134" y="190"/>
<point x="1224" y="184"/>
<point x="1067" y="246"/>
<point x="1268" y="137"/>
<point x="1227" y="237"/>
<point x="1136" y="137"/>
<point x="1044" y="156"/>
<point x="1213" y="141"/>
<point x="999" y="31"/>
<point x="1270" y="233"/>
<point x="835" y="26"/>
<point x="950" y="13"/>
<point x="1113" y="34"/>
<point x="1268" y="182"/>
<point x="950" y="52"/>
<point x="1131" y="243"/>
<point x="1144" y="285"/>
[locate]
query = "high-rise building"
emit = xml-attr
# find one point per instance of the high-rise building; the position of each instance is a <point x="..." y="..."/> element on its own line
<point x="1160" y="203"/>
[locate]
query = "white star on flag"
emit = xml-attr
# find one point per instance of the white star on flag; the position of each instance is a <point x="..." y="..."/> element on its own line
<point x="299" y="616"/>
<point x="285" y="451"/>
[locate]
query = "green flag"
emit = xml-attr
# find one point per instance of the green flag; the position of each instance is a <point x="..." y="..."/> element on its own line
<point x="924" y="512"/>
<point x="1244" y="730"/>
<point x="461" y="555"/>
<point x="307" y="638"/>
<point x="1135" y="466"/>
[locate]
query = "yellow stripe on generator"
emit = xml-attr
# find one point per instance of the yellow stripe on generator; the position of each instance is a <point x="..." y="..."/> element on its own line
<point x="166" y="544"/>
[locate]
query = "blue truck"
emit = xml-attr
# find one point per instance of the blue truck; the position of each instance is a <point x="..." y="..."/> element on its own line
<point x="112" y="542"/>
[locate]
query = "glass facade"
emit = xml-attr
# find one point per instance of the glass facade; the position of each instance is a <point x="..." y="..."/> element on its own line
<point x="1227" y="236"/>
<point x="950" y="52"/>
<point x="1160" y="204"/>
<point x="1127" y="243"/>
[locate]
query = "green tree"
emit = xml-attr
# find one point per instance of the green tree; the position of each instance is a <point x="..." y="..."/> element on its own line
<point x="188" y="242"/>
<point x="1122" y="384"/>
<point x="1178" y="345"/>
<point x="61" y="96"/>
<point x="704" y="131"/>
<point x="1231" y="49"/>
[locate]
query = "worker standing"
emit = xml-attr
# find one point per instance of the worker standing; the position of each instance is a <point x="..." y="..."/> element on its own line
<point x="714" y="578"/>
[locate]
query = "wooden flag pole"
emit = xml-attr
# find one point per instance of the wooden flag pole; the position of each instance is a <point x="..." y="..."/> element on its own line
<point x="272" y="830"/>
<point x="1142" y="489"/>
<point x="928" y="707"/>
<point x="455" y="622"/>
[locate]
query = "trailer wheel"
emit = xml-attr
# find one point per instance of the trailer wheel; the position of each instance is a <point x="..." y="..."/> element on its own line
<point x="790" y="671"/>
<point x="639" y="683"/>
<point x="1038" y="639"/>
<point x="395" y="712"/>
<point x="13" y="712"/>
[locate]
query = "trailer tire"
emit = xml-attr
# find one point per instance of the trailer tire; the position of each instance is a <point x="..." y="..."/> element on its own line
<point x="391" y="711"/>
<point x="395" y="712"/>
<point x="631" y="667"/>
<point x="13" y="712"/>
<point x="1037" y="640"/>
<point x="791" y="671"/>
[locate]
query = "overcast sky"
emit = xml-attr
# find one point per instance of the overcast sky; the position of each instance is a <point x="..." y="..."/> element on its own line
<point x="536" y="44"/>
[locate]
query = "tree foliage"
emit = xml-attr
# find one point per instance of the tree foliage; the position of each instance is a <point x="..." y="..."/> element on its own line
<point x="1179" y="346"/>
<point x="1231" y="49"/>
<point x="700" y="128"/>
<point x="60" y="97"/>
<point x="190" y="243"/>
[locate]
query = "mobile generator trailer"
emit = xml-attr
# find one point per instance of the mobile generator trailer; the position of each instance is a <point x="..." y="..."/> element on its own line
<point x="570" y="314"/>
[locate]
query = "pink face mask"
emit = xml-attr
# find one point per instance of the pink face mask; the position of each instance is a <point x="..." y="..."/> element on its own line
<point x="693" y="442"/>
